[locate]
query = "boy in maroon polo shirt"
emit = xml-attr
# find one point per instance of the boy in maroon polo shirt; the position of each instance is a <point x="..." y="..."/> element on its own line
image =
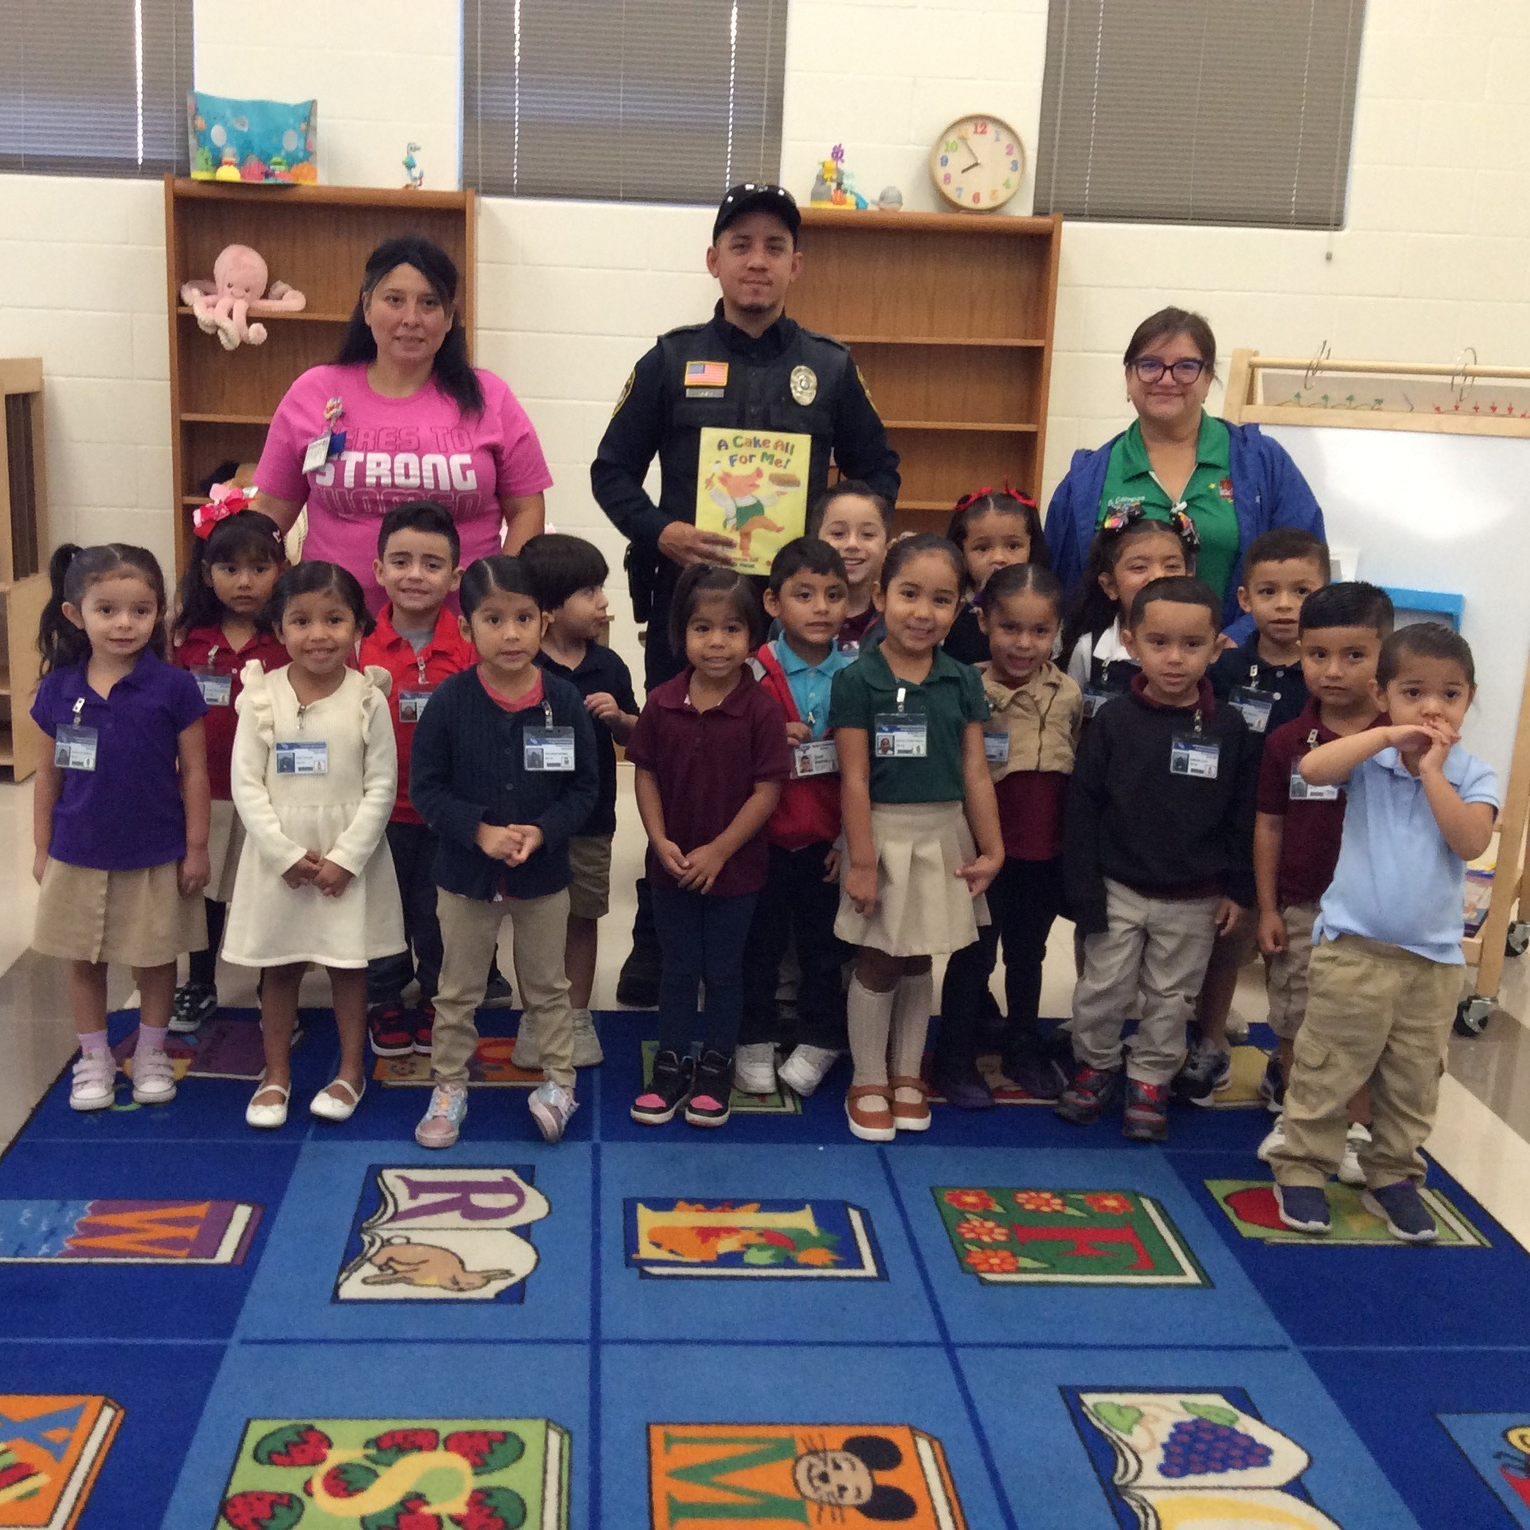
<point x="1297" y="827"/>
<point x="419" y="641"/>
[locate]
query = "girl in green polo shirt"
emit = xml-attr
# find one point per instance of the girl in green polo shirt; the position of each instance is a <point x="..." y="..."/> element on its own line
<point x="916" y="792"/>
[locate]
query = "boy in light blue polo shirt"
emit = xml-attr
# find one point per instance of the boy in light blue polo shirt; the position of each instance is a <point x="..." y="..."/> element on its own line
<point x="1386" y="972"/>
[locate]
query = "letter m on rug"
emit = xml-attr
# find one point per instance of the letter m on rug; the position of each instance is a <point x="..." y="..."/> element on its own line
<point x="708" y="1462"/>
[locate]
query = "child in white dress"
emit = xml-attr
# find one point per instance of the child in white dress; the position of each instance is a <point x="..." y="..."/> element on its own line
<point x="314" y="775"/>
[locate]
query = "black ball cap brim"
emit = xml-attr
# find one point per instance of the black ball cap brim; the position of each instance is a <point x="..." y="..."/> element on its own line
<point x="753" y="196"/>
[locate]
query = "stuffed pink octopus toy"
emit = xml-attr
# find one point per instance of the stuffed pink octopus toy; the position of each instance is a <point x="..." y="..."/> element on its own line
<point x="224" y="305"/>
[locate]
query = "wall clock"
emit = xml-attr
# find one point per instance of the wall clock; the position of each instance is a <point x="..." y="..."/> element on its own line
<point x="977" y="164"/>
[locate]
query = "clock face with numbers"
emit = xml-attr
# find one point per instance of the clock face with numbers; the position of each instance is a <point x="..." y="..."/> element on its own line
<point x="977" y="163"/>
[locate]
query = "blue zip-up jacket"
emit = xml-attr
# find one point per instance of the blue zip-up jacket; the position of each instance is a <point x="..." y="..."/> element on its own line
<point x="467" y="767"/>
<point x="1268" y="490"/>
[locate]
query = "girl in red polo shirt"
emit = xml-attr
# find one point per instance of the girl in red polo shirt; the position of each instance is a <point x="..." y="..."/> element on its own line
<point x="236" y="556"/>
<point x="711" y="754"/>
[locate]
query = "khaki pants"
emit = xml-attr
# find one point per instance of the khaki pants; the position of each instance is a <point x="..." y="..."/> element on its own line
<point x="1159" y="946"/>
<point x="1375" y="1013"/>
<point x="1285" y="973"/>
<point x="469" y="933"/>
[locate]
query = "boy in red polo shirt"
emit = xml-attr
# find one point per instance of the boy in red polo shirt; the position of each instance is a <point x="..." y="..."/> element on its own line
<point x="419" y="641"/>
<point x="1298" y="826"/>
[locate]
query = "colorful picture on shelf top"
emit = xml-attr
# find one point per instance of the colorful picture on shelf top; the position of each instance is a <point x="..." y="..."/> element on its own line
<point x="261" y="142"/>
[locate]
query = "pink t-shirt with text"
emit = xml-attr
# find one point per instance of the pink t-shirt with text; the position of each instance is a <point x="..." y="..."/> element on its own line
<point x="398" y="449"/>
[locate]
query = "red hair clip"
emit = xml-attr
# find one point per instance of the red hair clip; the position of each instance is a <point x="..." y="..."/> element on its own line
<point x="967" y="500"/>
<point x="225" y="500"/>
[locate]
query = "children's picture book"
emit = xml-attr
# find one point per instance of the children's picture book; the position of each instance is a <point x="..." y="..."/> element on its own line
<point x="1176" y="1457"/>
<point x="760" y="1239"/>
<point x="784" y="1476"/>
<point x="452" y="1234"/>
<point x="51" y="1452"/>
<point x="752" y="486"/>
<point x="394" y="1473"/>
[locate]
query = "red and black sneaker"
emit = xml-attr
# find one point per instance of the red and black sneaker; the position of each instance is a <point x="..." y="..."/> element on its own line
<point x="424" y="1027"/>
<point x="1092" y="1092"/>
<point x="1146" y="1118"/>
<point x="388" y="1026"/>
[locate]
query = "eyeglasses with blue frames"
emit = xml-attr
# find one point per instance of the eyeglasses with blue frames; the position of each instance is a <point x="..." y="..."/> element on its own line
<point x="1151" y="368"/>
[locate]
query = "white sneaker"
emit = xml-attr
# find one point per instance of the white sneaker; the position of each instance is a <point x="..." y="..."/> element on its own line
<point x="806" y="1068"/>
<point x="1274" y="1138"/>
<point x="587" y="1052"/>
<point x="153" y="1076"/>
<point x="754" y="1068"/>
<point x="551" y="1106"/>
<point x="526" y="1053"/>
<point x="1350" y="1172"/>
<point x="95" y="1075"/>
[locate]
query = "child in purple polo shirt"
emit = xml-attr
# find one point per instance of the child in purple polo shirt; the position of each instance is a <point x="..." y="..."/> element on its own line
<point x="121" y="842"/>
<point x="711" y="754"/>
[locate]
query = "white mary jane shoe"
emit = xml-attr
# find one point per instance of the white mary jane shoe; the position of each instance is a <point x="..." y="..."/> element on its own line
<point x="268" y="1116"/>
<point x="327" y="1108"/>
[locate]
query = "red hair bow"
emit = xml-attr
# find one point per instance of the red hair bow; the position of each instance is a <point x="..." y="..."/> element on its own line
<point x="226" y="500"/>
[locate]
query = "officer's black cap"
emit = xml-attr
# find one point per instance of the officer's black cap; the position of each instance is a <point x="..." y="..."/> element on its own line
<point x="753" y="196"/>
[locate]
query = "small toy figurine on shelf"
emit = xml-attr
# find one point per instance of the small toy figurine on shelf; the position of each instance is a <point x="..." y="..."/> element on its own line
<point x="228" y="305"/>
<point x="891" y="199"/>
<point x="412" y="168"/>
<point x="833" y="185"/>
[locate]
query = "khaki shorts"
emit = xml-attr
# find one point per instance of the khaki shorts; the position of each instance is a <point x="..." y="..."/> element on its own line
<point x="1285" y="981"/>
<point x="589" y="894"/>
<point x="137" y="917"/>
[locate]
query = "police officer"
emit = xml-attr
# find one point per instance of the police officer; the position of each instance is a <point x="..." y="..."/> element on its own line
<point x="750" y="367"/>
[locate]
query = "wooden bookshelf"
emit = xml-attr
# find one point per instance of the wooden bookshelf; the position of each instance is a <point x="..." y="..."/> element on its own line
<point x="949" y="317"/>
<point x="314" y="238"/>
<point x="24" y="552"/>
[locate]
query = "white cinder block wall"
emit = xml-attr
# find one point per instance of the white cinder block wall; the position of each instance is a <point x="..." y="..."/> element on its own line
<point x="1435" y="256"/>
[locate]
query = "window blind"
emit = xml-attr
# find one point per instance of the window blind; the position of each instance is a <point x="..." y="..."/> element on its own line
<point x="1199" y="111"/>
<point x="93" y="89"/>
<point x="621" y="100"/>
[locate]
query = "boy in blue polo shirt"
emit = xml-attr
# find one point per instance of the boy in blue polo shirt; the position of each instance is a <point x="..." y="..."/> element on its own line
<point x="1386" y="972"/>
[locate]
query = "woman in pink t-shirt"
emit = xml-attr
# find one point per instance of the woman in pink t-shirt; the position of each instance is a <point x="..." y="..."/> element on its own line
<point x="417" y="421"/>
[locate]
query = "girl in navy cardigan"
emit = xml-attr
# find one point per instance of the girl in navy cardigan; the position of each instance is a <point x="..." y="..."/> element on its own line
<point x="503" y="770"/>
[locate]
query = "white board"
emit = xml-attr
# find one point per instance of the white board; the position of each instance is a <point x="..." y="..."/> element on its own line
<point x="1438" y="512"/>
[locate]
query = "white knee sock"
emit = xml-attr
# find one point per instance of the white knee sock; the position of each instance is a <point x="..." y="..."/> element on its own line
<point x="870" y="1021"/>
<point x="912" y="1001"/>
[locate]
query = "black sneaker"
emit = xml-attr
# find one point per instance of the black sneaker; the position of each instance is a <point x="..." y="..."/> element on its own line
<point x="711" y="1092"/>
<point x="1092" y="1092"/>
<point x="1146" y="1118"/>
<point x="1206" y="1071"/>
<point x="667" y="1091"/>
<point x="390" y="1031"/>
<point x="497" y="993"/>
<point x="637" y="985"/>
<point x="1272" y="1087"/>
<point x="193" y="1003"/>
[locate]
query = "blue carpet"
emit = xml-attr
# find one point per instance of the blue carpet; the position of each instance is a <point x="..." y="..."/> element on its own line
<point x="1004" y="1323"/>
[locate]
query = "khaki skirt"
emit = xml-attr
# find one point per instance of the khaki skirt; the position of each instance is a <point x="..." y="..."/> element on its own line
<point x="137" y="917"/>
<point x="923" y="907"/>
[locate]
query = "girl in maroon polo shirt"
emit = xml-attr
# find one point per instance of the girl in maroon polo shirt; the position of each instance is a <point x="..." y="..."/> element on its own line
<point x="711" y="754"/>
<point x="120" y="806"/>
<point x="235" y="558"/>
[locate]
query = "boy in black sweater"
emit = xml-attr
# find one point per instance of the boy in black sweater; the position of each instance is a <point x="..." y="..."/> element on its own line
<point x="1157" y="855"/>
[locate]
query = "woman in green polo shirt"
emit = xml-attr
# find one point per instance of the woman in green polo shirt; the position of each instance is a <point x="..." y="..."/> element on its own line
<point x="1233" y="481"/>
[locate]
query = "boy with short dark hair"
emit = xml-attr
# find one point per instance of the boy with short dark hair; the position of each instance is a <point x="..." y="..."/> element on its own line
<point x="1297" y="827"/>
<point x="419" y="641"/>
<point x="1156" y="855"/>
<point x="807" y="597"/>
<point x="857" y="523"/>
<point x="569" y="576"/>
<point x="1262" y="679"/>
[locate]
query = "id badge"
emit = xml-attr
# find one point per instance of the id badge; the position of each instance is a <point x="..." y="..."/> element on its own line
<point x="1254" y="706"/>
<point x="817" y="757"/>
<point x="1193" y="754"/>
<point x="411" y="705"/>
<point x="217" y="690"/>
<point x="996" y="746"/>
<point x="901" y="736"/>
<point x="1095" y="696"/>
<point x="74" y="748"/>
<point x="317" y="454"/>
<point x="549" y="749"/>
<point x="1304" y="791"/>
<point x="307" y="757"/>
